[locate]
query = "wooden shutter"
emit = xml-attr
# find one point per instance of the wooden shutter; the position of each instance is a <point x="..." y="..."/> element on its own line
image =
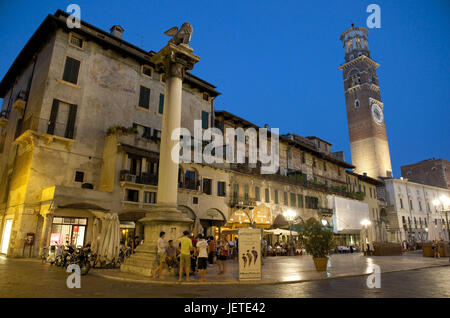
<point x="144" y="97"/>
<point x="161" y="103"/>
<point x="205" y="117"/>
<point x="70" y="127"/>
<point x="52" y="120"/>
<point x="71" y="70"/>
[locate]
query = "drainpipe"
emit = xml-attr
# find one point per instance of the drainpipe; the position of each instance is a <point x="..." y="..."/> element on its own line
<point x="212" y="111"/>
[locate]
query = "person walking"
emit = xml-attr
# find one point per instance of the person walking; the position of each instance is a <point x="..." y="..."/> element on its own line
<point x="202" y="249"/>
<point x="222" y="255"/>
<point x="211" y="250"/>
<point x="436" y="249"/>
<point x="185" y="248"/>
<point x="161" y="260"/>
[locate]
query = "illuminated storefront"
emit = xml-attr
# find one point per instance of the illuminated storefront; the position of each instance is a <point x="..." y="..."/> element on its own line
<point x="68" y="229"/>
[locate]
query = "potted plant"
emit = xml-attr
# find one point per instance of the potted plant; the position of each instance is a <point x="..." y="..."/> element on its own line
<point x="318" y="242"/>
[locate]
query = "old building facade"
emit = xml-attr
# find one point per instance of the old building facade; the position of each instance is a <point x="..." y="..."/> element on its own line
<point x="434" y="172"/>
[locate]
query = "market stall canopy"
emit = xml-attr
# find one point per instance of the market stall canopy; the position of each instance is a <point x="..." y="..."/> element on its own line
<point x="279" y="221"/>
<point x="281" y="232"/>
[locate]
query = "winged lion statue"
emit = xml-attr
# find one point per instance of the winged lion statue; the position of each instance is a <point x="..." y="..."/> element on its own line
<point x="183" y="35"/>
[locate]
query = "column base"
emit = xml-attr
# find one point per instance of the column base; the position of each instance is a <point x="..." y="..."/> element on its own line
<point x="164" y="217"/>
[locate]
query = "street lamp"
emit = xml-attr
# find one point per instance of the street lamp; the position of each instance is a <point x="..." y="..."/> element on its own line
<point x="289" y="215"/>
<point x="442" y="205"/>
<point x="365" y="223"/>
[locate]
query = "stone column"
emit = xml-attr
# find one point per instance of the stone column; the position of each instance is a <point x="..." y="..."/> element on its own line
<point x="45" y="232"/>
<point x="173" y="60"/>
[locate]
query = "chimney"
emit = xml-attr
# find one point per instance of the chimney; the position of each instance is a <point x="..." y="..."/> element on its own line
<point x="117" y="31"/>
<point x="266" y="126"/>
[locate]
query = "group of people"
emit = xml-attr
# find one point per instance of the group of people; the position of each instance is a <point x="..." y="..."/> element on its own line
<point x="191" y="254"/>
<point x="281" y="249"/>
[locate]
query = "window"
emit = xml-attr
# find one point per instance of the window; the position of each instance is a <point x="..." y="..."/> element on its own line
<point x="358" y="42"/>
<point x="293" y="200"/>
<point x="205" y="118"/>
<point x="349" y="45"/>
<point x="157" y="134"/>
<point x="205" y="96"/>
<point x="286" y="203"/>
<point x="312" y="202"/>
<point x="257" y="194"/>
<point x="190" y="180"/>
<point x="401" y="203"/>
<point x="314" y="162"/>
<point x="161" y="104"/>
<point x="79" y="176"/>
<point x="62" y="119"/>
<point x="144" y="97"/>
<point x="131" y="195"/>
<point x="303" y="157"/>
<point x="147" y="70"/>
<point x="143" y="131"/>
<point x="194" y="200"/>
<point x="207" y="185"/>
<point x="149" y="197"/>
<point x="300" y="200"/>
<point x="276" y="197"/>
<point x="356" y="103"/>
<point x="76" y="41"/>
<point x="221" y="188"/>
<point x="163" y="78"/>
<point x="71" y="70"/>
<point x="364" y="188"/>
<point x="267" y="195"/>
<point x="235" y="190"/>
<point x="420" y="206"/>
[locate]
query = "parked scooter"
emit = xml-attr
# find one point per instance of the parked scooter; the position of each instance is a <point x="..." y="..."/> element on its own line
<point x="81" y="257"/>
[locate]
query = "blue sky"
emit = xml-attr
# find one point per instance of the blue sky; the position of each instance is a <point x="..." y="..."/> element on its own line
<point x="277" y="62"/>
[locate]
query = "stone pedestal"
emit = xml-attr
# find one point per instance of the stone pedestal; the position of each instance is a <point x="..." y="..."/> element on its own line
<point x="173" y="60"/>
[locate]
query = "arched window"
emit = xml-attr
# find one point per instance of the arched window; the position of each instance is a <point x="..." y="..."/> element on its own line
<point x="356" y="103"/>
<point x="358" y="42"/>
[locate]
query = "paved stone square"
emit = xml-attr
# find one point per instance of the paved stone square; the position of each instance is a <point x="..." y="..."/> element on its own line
<point x="30" y="278"/>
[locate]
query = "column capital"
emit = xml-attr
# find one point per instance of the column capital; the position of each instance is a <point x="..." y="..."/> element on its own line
<point x="174" y="60"/>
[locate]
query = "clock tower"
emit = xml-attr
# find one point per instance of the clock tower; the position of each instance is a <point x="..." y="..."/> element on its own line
<point x="365" y="116"/>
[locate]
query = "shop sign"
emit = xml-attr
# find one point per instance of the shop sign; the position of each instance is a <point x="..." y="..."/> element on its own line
<point x="249" y="254"/>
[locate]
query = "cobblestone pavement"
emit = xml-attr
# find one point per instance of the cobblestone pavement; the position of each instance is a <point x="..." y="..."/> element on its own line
<point x="30" y="278"/>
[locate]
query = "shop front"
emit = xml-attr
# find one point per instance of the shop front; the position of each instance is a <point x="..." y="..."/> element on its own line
<point x="68" y="230"/>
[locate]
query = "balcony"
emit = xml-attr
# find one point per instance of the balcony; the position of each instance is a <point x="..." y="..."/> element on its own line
<point x="144" y="178"/>
<point x="190" y="184"/>
<point x="242" y="202"/>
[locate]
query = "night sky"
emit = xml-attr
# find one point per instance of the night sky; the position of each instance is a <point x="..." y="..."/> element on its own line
<point x="276" y="62"/>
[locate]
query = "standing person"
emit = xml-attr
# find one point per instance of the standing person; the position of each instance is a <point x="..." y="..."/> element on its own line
<point x="202" y="249"/>
<point x="264" y="247"/>
<point x="185" y="254"/>
<point x="436" y="249"/>
<point x="211" y="250"/>
<point x="161" y="255"/>
<point x="171" y="252"/>
<point x="222" y="255"/>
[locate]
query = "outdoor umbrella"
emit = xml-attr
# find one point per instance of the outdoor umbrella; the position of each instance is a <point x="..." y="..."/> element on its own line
<point x="95" y="235"/>
<point x="384" y="235"/>
<point x="108" y="249"/>
<point x="431" y="229"/>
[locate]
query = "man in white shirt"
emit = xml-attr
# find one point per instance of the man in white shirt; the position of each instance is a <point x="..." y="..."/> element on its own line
<point x="161" y="255"/>
<point x="202" y="249"/>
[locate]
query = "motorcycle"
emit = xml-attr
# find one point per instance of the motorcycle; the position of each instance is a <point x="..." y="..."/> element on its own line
<point x="82" y="258"/>
<point x="66" y="257"/>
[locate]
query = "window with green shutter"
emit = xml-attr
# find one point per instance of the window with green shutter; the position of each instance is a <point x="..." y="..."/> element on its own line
<point x="71" y="70"/>
<point x="144" y="97"/>
<point x="205" y="118"/>
<point x="257" y="194"/>
<point x="286" y="203"/>
<point x="293" y="200"/>
<point x="276" y="197"/>
<point x="300" y="200"/>
<point x="161" y="104"/>
<point x="267" y="195"/>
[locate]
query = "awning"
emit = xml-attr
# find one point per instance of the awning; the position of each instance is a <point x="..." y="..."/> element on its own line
<point x="280" y="220"/>
<point x="281" y="232"/>
<point x="139" y="152"/>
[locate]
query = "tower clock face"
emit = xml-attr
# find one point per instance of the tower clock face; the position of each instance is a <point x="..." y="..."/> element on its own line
<point x="377" y="114"/>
